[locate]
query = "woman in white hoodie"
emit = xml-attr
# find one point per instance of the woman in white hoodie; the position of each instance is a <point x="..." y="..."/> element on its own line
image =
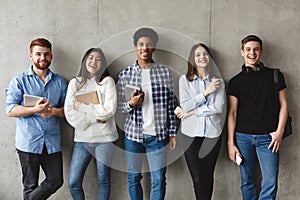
<point x="94" y="123"/>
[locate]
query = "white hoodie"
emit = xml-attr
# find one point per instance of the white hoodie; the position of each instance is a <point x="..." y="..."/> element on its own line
<point x="85" y="120"/>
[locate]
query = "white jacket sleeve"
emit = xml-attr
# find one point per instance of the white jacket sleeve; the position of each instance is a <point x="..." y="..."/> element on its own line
<point x="78" y="119"/>
<point x="108" y="104"/>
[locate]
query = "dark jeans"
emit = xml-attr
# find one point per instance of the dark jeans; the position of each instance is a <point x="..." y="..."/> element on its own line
<point x="51" y="164"/>
<point x="202" y="168"/>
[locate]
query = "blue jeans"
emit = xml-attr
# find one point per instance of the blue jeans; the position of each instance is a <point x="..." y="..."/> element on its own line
<point x="82" y="155"/>
<point x="156" y="156"/>
<point x="252" y="146"/>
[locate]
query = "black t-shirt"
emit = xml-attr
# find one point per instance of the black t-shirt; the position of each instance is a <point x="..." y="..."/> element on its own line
<point x="257" y="111"/>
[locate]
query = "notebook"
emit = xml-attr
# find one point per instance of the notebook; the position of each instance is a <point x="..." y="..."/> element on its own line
<point x="88" y="97"/>
<point x="31" y="100"/>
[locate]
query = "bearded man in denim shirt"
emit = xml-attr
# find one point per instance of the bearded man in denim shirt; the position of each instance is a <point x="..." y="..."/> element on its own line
<point x="38" y="126"/>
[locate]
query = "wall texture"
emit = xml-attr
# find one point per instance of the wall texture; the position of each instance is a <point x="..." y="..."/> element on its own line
<point x="75" y="26"/>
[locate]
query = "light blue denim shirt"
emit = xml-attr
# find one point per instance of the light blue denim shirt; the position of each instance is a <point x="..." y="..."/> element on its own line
<point x="206" y="122"/>
<point x="34" y="131"/>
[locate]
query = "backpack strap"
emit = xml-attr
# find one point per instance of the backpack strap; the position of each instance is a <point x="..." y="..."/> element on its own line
<point x="275" y="73"/>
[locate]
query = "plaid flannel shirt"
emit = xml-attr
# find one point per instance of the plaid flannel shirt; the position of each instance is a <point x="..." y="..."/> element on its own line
<point x="164" y="102"/>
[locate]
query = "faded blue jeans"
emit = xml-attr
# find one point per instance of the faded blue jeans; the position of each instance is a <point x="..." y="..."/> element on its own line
<point x="156" y="155"/>
<point x="252" y="146"/>
<point x="82" y="155"/>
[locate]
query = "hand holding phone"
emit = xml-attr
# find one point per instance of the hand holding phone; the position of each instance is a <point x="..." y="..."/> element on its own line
<point x="136" y="98"/>
<point x="177" y="110"/>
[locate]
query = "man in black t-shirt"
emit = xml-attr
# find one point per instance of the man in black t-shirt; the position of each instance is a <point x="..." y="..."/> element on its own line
<point x="255" y="121"/>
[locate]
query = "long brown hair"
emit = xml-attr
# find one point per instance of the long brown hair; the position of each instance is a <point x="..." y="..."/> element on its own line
<point x="101" y="74"/>
<point x="192" y="68"/>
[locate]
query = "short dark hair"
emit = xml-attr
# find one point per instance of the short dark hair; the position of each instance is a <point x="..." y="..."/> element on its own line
<point x="40" y="42"/>
<point x="250" y="38"/>
<point x="145" y="32"/>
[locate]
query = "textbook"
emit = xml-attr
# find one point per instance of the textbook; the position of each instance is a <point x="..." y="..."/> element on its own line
<point x="129" y="90"/>
<point x="88" y="97"/>
<point x="31" y="100"/>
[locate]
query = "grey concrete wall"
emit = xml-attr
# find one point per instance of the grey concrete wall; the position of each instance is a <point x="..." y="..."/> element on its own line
<point x="75" y="26"/>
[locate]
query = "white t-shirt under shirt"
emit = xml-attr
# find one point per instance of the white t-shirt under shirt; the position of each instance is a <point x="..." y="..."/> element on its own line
<point x="147" y="107"/>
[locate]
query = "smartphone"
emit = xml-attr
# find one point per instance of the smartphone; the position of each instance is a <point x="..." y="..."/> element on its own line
<point x="238" y="159"/>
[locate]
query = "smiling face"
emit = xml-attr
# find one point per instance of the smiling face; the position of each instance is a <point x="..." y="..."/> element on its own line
<point x="252" y="51"/>
<point x="41" y="57"/>
<point x="93" y="63"/>
<point x="144" y="49"/>
<point x="201" y="57"/>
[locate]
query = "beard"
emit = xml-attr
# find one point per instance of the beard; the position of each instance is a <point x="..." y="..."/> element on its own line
<point x="43" y="66"/>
